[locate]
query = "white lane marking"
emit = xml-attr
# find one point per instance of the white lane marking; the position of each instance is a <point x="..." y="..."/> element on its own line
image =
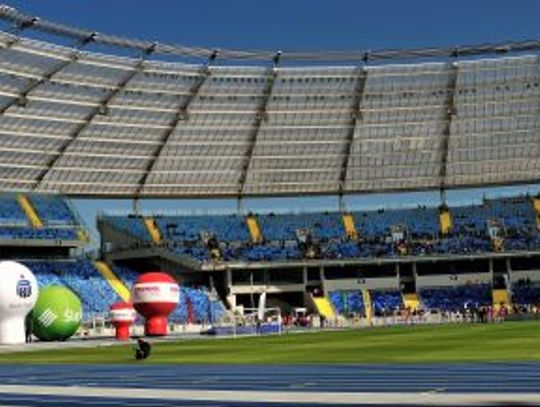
<point x="77" y="401"/>
<point x="453" y="399"/>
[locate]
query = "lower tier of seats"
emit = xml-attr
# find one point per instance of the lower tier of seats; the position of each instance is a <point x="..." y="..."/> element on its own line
<point x="96" y="293"/>
<point x="446" y="299"/>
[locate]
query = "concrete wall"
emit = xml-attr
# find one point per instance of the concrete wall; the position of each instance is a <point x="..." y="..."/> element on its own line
<point x="533" y="275"/>
<point x="386" y="283"/>
<point x="270" y="288"/>
<point x="443" y="280"/>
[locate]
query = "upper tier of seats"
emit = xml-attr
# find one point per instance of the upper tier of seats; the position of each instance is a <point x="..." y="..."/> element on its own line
<point x="45" y="217"/>
<point x="326" y="225"/>
<point x="421" y="222"/>
<point x="53" y="210"/>
<point x="11" y="212"/>
<point x="382" y="233"/>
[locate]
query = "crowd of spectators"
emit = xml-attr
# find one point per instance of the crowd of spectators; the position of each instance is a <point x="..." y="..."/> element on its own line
<point x="505" y="224"/>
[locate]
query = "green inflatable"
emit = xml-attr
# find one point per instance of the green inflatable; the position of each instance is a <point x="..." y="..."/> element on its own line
<point x="57" y="314"/>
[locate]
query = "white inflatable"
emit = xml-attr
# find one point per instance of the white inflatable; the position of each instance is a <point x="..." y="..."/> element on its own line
<point x="18" y="295"/>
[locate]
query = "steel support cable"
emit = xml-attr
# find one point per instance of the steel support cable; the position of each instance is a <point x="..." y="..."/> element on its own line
<point x="17" y="28"/>
<point x="100" y="109"/>
<point x="11" y="14"/>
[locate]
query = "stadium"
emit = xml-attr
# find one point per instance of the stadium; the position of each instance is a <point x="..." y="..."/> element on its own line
<point x="367" y="306"/>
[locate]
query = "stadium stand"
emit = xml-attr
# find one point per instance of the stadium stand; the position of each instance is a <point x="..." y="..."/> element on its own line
<point x="382" y="233"/>
<point x="96" y="294"/>
<point x="80" y="123"/>
<point x="52" y="209"/>
<point x="526" y="293"/>
<point x="324" y="307"/>
<point x="38" y="217"/>
<point x="82" y="277"/>
<point x="501" y="297"/>
<point x="116" y="283"/>
<point x="385" y="302"/>
<point x="30" y="211"/>
<point x="411" y="301"/>
<point x="348" y="302"/>
<point x="457" y="297"/>
<point x="96" y="283"/>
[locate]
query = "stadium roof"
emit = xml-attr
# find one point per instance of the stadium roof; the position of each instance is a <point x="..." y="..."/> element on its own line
<point x="83" y="123"/>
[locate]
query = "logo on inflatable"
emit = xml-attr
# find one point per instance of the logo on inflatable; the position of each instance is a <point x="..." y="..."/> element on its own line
<point x="47" y="318"/>
<point x="24" y="288"/>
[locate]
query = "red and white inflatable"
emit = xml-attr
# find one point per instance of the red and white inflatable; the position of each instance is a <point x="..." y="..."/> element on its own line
<point x="122" y="316"/>
<point x="155" y="295"/>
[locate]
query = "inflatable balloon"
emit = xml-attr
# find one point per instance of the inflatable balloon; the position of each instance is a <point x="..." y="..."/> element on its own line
<point x="155" y="295"/>
<point x="122" y="316"/>
<point x="18" y="294"/>
<point x="57" y="314"/>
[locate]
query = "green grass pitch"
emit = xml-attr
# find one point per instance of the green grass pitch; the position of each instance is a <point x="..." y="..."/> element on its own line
<point x="510" y="341"/>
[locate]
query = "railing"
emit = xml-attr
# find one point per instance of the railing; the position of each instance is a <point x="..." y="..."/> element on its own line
<point x="282" y="208"/>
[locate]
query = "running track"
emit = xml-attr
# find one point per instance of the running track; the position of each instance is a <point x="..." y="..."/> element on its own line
<point x="239" y="385"/>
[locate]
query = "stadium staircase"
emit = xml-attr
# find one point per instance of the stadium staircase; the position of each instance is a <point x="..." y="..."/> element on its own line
<point x="501" y="296"/>
<point x="324" y="307"/>
<point x="117" y="285"/>
<point x="497" y="244"/>
<point x="153" y="229"/>
<point x="536" y="203"/>
<point x="83" y="235"/>
<point x="29" y="211"/>
<point x="411" y="301"/>
<point x="445" y="219"/>
<point x="254" y="229"/>
<point x="350" y="226"/>
<point x="368" y="309"/>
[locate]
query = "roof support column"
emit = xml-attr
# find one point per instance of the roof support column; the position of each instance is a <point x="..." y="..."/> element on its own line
<point x="259" y="117"/>
<point x="180" y="115"/>
<point x="445" y="141"/>
<point x="355" y="119"/>
<point x="100" y="109"/>
<point x="204" y="74"/>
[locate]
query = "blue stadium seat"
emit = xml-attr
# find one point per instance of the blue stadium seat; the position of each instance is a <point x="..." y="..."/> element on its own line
<point x="386" y="301"/>
<point x="59" y="221"/>
<point x="11" y="212"/>
<point x="348" y="302"/>
<point x="526" y="293"/>
<point x="52" y="209"/>
<point x="468" y="235"/>
<point x="456" y="298"/>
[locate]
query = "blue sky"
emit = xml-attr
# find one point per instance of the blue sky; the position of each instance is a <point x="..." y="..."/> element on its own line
<point x="292" y="25"/>
<point x="305" y="24"/>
